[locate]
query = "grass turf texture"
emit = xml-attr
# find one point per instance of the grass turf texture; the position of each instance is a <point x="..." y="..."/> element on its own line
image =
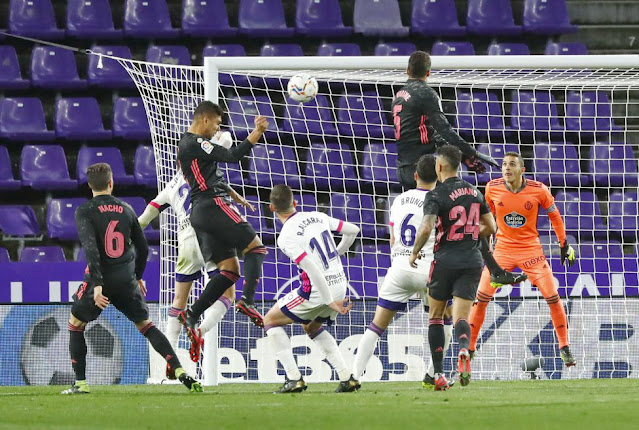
<point x="576" y="404"/>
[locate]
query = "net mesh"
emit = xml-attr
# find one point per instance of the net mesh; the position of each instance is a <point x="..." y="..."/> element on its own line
<point x="575" y="128"/>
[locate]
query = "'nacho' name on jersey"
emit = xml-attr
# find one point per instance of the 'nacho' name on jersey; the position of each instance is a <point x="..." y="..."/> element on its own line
<point x="462" y="192"/>
<point x="305" y="223"/>
<point x="110" y="208"/>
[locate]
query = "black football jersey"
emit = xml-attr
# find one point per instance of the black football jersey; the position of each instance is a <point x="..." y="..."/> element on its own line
<point x="420" y="124"/>
<point x="458" y="206"/>
<point x="110" y="234"/>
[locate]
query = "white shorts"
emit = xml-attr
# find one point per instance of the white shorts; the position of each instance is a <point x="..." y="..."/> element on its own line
<point x="303" y="310"/>
<point x="190" y="260"/>
<point x="399" y="286"/>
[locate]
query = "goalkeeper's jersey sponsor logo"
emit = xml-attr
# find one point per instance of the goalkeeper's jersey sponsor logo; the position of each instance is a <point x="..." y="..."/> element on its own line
<point x="514" y="220"/>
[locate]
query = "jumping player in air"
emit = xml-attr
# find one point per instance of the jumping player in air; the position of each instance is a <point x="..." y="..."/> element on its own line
<point x="306" y="239"/>
<point x="116" y="253"/>
<point x="515" y="201"/>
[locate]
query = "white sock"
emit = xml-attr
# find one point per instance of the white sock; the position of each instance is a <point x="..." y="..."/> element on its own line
<point x="215" y="313"/>
<point x="281" y="345"/>
<point x="173" y="329"/>
<point x="448" y="335"/>
<point x="365" y="349"/>
<point x="328" y="345"/>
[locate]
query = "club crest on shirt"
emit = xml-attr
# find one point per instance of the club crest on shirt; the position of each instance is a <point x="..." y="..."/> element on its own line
<point x="514" y="220"/>
<point x="207" y="146"/>
<point x="528" y="205"/>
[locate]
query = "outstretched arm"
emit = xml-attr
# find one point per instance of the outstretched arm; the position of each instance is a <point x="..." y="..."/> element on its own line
<point x="236" y="153"/>
<point x="148" y="215"/>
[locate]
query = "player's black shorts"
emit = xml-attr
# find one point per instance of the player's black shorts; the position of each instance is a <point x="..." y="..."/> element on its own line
<point x="406" y="176"/>
<point x="120" y="287"/>
<point x="220" y="229"/>
<point x="446" y="283"/>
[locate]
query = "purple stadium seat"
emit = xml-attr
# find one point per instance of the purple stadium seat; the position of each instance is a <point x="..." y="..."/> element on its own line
<point x="55" y="68"/>
<point x="61" y="218"/>
<point x="139" y="204"/>
<point x="23" y="119"/>
<point x="169" y="54"/>
<point x="379" y="165"/>
<point x="263" y="18"/>
<point x="91" y="20"/>
<point x="270" y="165"/>
<point x="129" y="119"/>
<point x="375" y="256"/>
<point x="306" y="202"/>
<point x="144" y="167"/>
<point x="79" y="118"/>
<point x="44" y="167"/>
<point x="154" y="253"/>
<point x="613" y="165"/>
<point x="452" y="48"/>
<point x="241" y="112"/>
<point x="479" y="115"/>
<point x="491" y="18"/>
<point x="338" y="49"/>
<point x="356" y="208"/>
<point x="33" y="18"/>
<point x="111" y="74"/>
<point x="112" y="156"/>
<point x="262" y="220"/>
<point x="467" y="175"/>
<point x="320" y="18"/>
<point x="362" y="115"/>
<point x="233" y="174"/>
<point x="148" y="20"/>
<point x="81" y="256"/>
<point x="566" y="48"/>
<point x="496" y="48"/>
<point x="312" y="118"/>
<point x="4" y="256"/>
<point x="534" y="111"/>
<point x="436" y="18"/>
<point x="395" y="48"/>
<point x="281" y="50"/>
<point x="623" y="214"/>
<point x="589" y="249"/>
<point x="330" y="166"/>
<point x="18" y="220"/>
<point x="497" y="151"/>
<point x="231" y="50"/>
<point x="206" y="19"/>
<point x="557" y="164"/>
<point x="10" y="75"/>
<point x="378" y="18"/>
<point x="363" y="274"/>
<point x="7" y="182"/>
<point x="589" y="113"/>
<point x="547" y="17"/>
<point x="580" y="211"/>
<point x="42" y="254"/>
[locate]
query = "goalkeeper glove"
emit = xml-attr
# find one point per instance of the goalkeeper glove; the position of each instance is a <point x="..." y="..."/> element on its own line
<point x="473" y="163"/>
<point x="567" y="254"/>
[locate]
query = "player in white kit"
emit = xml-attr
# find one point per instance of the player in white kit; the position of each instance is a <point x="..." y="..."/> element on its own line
<point x="403" y="281"/>
<point x="306" y="238"/>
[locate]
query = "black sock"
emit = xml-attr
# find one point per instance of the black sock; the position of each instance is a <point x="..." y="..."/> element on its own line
<point x="253" y="261"/>
<point x="78" y="352"/>
<point x="436" y="342"/>
<point x="214" y="289"/>
<point x="489" y="260"/>
<point x="161" y="344"/>
<point x="462" y="331"/>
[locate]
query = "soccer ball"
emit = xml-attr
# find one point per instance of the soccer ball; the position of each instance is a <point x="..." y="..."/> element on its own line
<point x="302" y="87"/>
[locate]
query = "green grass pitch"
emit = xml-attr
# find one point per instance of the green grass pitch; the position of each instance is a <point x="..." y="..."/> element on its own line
<point x="576" y="404"/>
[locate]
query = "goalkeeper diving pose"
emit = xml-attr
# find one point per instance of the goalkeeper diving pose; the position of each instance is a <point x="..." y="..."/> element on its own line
<point x="515" y="201"/>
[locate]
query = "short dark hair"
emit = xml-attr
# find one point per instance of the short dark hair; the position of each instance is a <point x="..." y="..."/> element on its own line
<point x="207" y="108"/>
<point x="451" y="154"/>
<point x="517" y="155"/>
<point x="418" y="64"/>
<point x="98" y="176"/>
<point x="281" y="198"/>
<point x="426" y="168"/>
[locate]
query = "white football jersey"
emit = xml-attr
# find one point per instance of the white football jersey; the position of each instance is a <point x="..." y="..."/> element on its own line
<point x="406" y="216"/>
<point x="176" y="194"/>
<point x="308" y="235"/>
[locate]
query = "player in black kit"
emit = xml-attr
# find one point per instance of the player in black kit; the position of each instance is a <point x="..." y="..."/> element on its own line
<point x="461" y="215"/>
<point x="116" y="253"/>
<point x="421" y="126"/>
<point x="220" y="228"/>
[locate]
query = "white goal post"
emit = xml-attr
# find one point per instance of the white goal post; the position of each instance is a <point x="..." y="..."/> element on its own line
<point x="565" y="114"/>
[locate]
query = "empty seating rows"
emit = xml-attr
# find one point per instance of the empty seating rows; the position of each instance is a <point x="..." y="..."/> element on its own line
<point x="265" y="18"/>
<point x="55" y="254"/>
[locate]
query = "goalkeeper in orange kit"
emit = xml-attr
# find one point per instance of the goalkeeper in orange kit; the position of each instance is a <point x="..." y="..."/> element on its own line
<point x="515" y="202"/>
